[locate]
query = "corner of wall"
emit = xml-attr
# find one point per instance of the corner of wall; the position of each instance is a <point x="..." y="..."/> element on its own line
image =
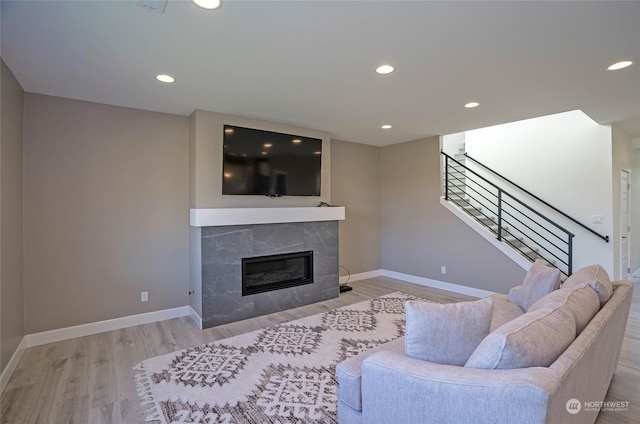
<point x="12" y="106"/>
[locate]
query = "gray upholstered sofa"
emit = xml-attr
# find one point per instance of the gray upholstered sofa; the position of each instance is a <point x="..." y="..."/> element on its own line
<point x="384" y="385"/>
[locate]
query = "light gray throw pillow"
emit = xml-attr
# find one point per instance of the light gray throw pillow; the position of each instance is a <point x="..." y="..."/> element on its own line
<point x="596" y="277"/>
<point x="539" y="281"/>
<point x="446" y="333"/>
<point x="534" y="339"/>
<point x="581" y="300"/>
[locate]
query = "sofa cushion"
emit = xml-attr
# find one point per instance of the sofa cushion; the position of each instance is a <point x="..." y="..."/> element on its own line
<point x="514" y="294"/>
<point x="504" y="310"/>
<point x="446" y="333"/>
<point x="539" y="281"/>
<point x="534" y="339"/>
<point x="581" y="300"/>
<point x="349" y="373"/>
<point x="596" y="277"/>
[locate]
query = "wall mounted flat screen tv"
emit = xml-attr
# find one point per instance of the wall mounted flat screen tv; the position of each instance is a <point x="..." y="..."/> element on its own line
<point x="258" y="162"/>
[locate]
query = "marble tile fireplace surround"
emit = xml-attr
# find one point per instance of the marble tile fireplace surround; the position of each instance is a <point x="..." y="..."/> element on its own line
<point x="221" y="238"/>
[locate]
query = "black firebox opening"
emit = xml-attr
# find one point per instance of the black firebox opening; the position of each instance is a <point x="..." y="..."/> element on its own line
<point x="274" y="272"/>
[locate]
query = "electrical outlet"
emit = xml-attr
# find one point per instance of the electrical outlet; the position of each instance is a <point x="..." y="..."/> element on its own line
<point x="144" y="296"/>
<point x="443" y="269"/>
<point x="597" y="219"/>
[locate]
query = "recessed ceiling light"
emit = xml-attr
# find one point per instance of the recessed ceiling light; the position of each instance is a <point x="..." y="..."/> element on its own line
<point x="620" y="65"/>
<point x="471" y="105"/>
<point x="267" y="145"/>
<point x="296" y="141"/>
<point x="385" y="69"/>
<point x="386" y="127"/>
<point x="208" y="4"/>
<point x="165" y="78"/>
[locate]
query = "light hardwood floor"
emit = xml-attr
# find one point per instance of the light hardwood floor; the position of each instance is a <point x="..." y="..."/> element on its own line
<point x="90" y="379"/>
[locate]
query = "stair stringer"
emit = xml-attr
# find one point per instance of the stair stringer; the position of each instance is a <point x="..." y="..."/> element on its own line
<point x="487" y="235"/>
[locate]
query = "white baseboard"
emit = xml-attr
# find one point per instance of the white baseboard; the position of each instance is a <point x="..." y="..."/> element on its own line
<point x="361" y="276"/>
<point x="7" y="372"/>
<point x="197" y="319"/>
<point x="60" y="334"/>
<point x="456" y="288"/>
<point x="37" y="339"/>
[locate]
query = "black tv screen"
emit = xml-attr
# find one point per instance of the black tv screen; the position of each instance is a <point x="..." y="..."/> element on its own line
<point x="261" y="162"/>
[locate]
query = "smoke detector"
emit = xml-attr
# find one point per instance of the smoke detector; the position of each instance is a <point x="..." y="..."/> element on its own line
<point x="157" y="6"/>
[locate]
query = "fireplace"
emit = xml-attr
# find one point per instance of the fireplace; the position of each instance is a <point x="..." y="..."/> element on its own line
<point x="220" y="250"/>
<point x="273" y="272"/>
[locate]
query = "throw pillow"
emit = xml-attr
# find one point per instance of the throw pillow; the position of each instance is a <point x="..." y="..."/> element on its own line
<point x="581" y="300"/>
<point x="446" y="333"/>
<point x="539" y="281"/>
<point x="504" y="311"/>
<point x="535" y="339"/>
<point x="596" y="277"/>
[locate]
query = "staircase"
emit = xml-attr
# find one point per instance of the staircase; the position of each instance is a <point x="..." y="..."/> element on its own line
<point x="527" y="232"/>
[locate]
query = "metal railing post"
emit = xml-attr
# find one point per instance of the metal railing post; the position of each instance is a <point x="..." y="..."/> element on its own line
<point x="446" y="177"/>
<point x="499" y="215"/>
<point x="570" y="254"/>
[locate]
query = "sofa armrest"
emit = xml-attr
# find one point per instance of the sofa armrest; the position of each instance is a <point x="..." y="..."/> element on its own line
<point x="397" y="388"/>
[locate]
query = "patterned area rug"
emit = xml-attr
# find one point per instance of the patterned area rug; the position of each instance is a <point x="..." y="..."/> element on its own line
<point x="282" y="374"/>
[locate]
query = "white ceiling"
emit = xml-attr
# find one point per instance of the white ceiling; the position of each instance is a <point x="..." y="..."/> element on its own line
<point x="311" y="63"/>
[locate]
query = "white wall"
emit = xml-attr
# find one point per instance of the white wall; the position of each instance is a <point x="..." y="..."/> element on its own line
<point x="635" y="208"/>
<point x="566" y="159"/>
<point x="622" y="159"/>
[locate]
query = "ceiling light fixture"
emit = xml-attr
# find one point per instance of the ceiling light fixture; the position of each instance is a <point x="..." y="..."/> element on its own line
<point x="386" y="127"/>
<point x="620" y="65"/>
<point x="471" y="105"/>
<point x="296" y="141"/>
<point x="165" y="78"/>
<point x="208" y="4"/>
<point x="385" y="69"/>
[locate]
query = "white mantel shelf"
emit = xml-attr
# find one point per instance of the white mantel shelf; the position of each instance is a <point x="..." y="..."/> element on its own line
<point x="219" y="217"/>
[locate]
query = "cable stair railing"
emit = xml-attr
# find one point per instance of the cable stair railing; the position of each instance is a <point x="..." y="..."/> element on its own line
<point x="527" y="231"/>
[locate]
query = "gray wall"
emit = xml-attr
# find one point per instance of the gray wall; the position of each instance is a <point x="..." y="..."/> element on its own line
<point x="11" y="275"/>
<point x="205" y="179"/>
<point x="355" y="176"/>
<point x="106" y="213"/>
<point x="419" y="235"/>
<point x="106" y="195"/>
